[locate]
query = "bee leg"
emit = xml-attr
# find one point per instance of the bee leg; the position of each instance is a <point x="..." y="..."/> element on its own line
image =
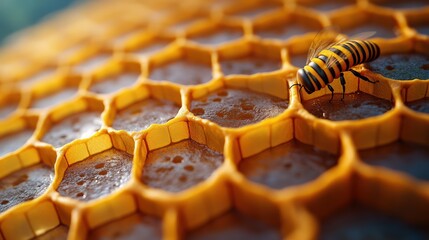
<point x="357" y="74"/>
<point x="343" y="84"/>
<point x="332" y="92"/>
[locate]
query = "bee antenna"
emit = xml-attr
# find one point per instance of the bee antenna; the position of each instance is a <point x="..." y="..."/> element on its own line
<point x="296" y="84"/>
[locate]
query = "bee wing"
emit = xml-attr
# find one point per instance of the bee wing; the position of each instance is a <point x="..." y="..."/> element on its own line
<point x="323" y="40"/>
<point x="363" y="35"/>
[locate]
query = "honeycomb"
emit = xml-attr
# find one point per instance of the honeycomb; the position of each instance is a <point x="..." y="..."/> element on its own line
<point x="175" y="120"/>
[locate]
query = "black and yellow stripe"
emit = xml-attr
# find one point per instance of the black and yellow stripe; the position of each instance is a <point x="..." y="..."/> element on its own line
<point x="318" y="73"/>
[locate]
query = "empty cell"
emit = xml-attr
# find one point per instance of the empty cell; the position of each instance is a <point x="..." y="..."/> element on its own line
<point x="38" y="77"/>
<point x="237" y="107"/>
<point x="180" y="166"/>
<point x="54" y="98"/>
<point x="249" y="65"/>
<point x="288" y="164"/>
<point x="7" y="110"/>
<point x="359" y="223"/>
<point x="422" y="28"/>
<point x="57" y="233"/>
<point x="14" y="141"/>
<point x="114" y="83"/>
<point x="141" y="115"/>
<point x="183" y="72"/>
<point x="97" y="176"/>
<point x="402" y="66"/>
<point x="285" y="31"/>
<point x="79" y="125"/>
<point x="183" y="25"/>
<point x="355" y="106"/>
<point x="421" y="105"/>
<point x="299" y="60"/>
<point x="234" y="225"/>
<point x="151" y="48"/>
<point x="256" y="12"/>
<point x="379" y="30"/>
<point x="24" y="185"/>
<point x="135" y="226"/>
<point x="410" y="158"/>
<point x="330" y="5"/>
<point x="400" y="4"/>
<point x="89" y="65"/>
<point x="218" y="37"/>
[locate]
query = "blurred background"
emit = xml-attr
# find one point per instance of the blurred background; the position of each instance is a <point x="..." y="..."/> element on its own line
<point x="16" y="15"/>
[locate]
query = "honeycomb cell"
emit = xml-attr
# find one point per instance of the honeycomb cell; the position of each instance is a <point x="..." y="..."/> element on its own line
<point x="14" y="141"/>
<point x="402" y="66"/>
<point x="285" y="31"/>
<point x="355" y="106"/>
<point x="237" y="107"/>
<point x="141" y="115"/>
<point x="327" y="5"/>
<point x="97" y="176"/>
<point x="135" y="226"/>
<point x="255" y="12"/>
<point x="180" y="166"/>
<point x="151" y="48"/>
<point x="234" y="225"/>
<point x="183" y="72"/>
<point x="7" y="109"/>
<point x="357" y="222"/>
<point x="54" y="98"/>
<point x="407" y="157"/>
<point x="398" y="4"/>
<point x="92" y="63"/>
<point x="38" y="77"/>
<point x="249" y="65"/>
<point x="59" y="232"/>
<point x="299" y="60"/>
<point x="288" y="164"/>
<point x="76" y="126"/>
<point x="24" y="185"/>
<point x="218" y="37"/>
<point x="114" y="83"/>
<point x="421" y="105"/>
<point x="383" y="26"/>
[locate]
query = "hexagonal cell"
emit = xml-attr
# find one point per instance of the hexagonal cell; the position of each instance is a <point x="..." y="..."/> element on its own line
<point x="196" y="64"/>
<point x="398" y="4"/>
<point x="150" y="48"/>
<point x="326" y="5"/>
<point x="115" y="77"/>
<point x="384" y="25"/>
<point x="39" y="220"/>
<point x="358" y="222"/>
<point x="355" y="106"/>
<point x="132" y="226"/>
<point x="250" y="58"/>
<point x="234" y="225"/>
<point x="215" y="33"/>
<point x="41" y="75"/>
<point x="410" y="158"/>
<point x="98" y="171"/>
<point x="89" y="59"/>
<point x="9" y="102"/>
<point x="25" y="176"/>
<point x="250" y="10"/>
<point x="283" y="25"/>
<point x="419" y="20"/>
<point x="16" y="132"/>
<point x="138" y="114"/>
<point x="81" y="119"/>
<point x="49" y="93"/>
<point x="237" y="107"/>
<point x="288" y="164"/>
<point x="421" y="105"/>
<point x="402" y="66"/>
<point x="180" y="166"/>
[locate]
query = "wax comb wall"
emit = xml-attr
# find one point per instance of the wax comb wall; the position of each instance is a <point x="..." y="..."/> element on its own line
<point x="175" y="120"/>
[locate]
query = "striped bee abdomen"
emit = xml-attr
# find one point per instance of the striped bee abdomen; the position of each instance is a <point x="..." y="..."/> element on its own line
<point x="330" y="63"/>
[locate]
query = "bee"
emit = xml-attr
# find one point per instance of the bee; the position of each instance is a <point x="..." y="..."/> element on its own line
<point x="329" y="56"/>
